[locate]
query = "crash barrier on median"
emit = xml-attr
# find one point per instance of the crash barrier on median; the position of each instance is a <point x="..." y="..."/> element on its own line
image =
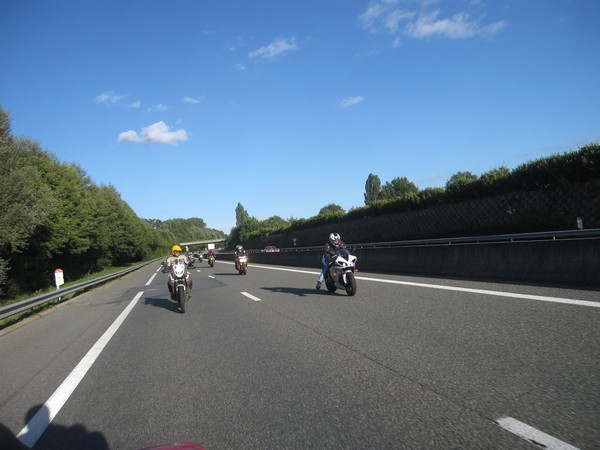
<point x="569" y="258"/>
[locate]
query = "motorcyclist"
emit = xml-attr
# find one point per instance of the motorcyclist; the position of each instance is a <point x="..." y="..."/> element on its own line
<point x="239" y="251"/>
<point x="334" y="244"/>
<point x="177" y="255"/>
<point x="212" y="254"/>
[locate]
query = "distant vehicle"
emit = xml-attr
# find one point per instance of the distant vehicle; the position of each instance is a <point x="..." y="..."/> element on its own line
<point x="270" y="248"/>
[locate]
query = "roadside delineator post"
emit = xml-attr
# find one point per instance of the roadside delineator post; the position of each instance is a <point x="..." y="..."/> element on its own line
<point x="59" y="278"/>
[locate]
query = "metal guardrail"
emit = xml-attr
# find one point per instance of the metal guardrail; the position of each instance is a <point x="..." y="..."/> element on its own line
<point x="592" y="233"/>
<point x="519" y="237"/>
<point x="24" y="305"/>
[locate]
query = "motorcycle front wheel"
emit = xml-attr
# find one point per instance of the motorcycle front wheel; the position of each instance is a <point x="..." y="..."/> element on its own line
<point x="181" y="297"/>
<point x="350" y="284"/>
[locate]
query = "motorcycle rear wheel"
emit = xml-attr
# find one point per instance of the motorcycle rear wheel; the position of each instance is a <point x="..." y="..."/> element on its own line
<point x="330" y="286"/>
<point x="181" y="297"/>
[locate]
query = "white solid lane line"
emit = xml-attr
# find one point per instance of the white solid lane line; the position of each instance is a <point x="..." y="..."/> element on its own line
<point x="30" y="434"/>
<point x="567" y="301"/>
<point x="533" y="435"/>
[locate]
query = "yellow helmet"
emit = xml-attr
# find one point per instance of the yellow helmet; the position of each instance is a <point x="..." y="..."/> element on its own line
<point x="175" y="248"/>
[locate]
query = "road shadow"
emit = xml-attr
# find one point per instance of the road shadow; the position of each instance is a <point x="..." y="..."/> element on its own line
<point x="42" y="434"/>
<point x="159" y="302"/>
<point x="300" y="292"/>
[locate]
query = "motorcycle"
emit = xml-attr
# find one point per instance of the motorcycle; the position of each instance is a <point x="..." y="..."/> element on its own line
<point x="241" y="264"/>
<point x="211" y="260"/>
<point x="192" y="261"/>
<point x="340" y="273"/>
<point x="178" y="279"/>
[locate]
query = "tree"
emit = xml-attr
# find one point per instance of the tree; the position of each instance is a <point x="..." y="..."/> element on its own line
<point x="241" y="215"/>
<point x="25" y="205"/>
<point x="5" y="134"/>
<point x="494" y="181"/>
<point x="274" y="223"/>
<point x="461" y="185"/>
<point x="119" y="236"/>
<point x="372" y="189"/>
<point x="331" y="210"/>
<point x="398" y="188"/>
<point x="180" y="230"/>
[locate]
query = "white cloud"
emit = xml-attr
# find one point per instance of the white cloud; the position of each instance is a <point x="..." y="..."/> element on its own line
<point x="379" y="11"/>
<point x="136" y="104"/>
<point x="275" y="48"/>
<point x="351" y="101"/>
<point x="157" y="133"/>
<point x="160" y="108"/>
<point x="386" y="15"/>
<point x="393" y="20"/>
<point x="108" y="98"/>
<point x="190" y="100"/>
<point x="130" y="135"/>
<point x="240" y="67"/>
<point x="458" y="26"/>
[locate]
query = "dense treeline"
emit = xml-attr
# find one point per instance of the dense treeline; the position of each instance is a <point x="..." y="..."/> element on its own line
<point x="401" y="195"/>
<point x="550" y="172"/>
<point x="53" y="216"/>
<point x="185" y="230"/>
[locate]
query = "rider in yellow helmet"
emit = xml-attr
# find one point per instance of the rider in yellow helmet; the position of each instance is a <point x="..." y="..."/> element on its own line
<point x="177" y="254"/>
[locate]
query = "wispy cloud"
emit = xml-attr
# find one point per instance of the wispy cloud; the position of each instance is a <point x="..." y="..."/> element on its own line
<point x="190" y="100"/>
<point x="351" y="101"/>
<point x="459" y="26"/>
<point x="157" y="133"/>
<point x="159" y="108"/>
<point x="389" y="16"/>
<point x="108" y="98"/>
<point x="275" y="48"/>
<point x="240" y="67"/>
<point x="136" y="104"/>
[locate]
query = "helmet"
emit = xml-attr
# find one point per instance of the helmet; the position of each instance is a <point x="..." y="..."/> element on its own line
<point x="334" y="239"/>
<point x="175" y="248"/>
<point x="239" y="248"/>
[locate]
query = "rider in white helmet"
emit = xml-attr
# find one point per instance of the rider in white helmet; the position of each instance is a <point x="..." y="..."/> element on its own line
<point x="239" y="251"/>
<point x="335" y="243"/>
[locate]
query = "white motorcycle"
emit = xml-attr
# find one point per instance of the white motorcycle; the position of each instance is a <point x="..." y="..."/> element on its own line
<point x="340" y="273"/>
<point x="178" y="280"/>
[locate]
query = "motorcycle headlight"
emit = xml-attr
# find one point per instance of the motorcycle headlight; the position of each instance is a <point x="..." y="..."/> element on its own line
<point x="179" y="270"/>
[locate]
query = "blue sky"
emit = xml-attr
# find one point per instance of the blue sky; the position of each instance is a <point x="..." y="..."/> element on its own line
<point x="287" y="106"/>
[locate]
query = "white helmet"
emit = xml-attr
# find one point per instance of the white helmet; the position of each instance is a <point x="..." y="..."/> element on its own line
<point x="334" y="239"/>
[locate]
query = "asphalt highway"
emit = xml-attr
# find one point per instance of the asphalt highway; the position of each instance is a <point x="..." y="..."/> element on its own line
<point x="267" y="361"/>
